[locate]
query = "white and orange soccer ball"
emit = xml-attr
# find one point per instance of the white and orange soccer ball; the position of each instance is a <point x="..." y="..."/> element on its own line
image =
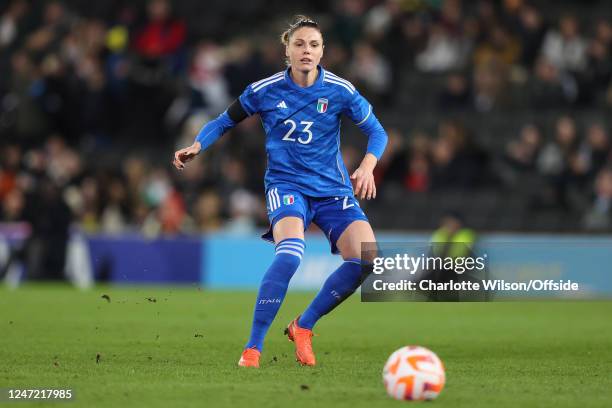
<point x="414" y="373"/>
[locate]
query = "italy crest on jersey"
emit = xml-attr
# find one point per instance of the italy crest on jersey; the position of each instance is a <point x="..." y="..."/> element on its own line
<point x="322" y="105"/>
<point x="288" y="199"/>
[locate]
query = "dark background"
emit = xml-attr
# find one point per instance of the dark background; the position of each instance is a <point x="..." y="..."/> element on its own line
<point x="496" y="110"/>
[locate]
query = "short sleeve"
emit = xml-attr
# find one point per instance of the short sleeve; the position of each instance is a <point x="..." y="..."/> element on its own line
<point x="249" y="102"/>
<point x="358" y="108"/>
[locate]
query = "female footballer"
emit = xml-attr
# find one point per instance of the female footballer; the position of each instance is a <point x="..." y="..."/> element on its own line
<point x="306" y="180"/>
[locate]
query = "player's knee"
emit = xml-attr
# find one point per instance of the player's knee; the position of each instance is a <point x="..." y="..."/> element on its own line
<point x="284" y="267"/>
<point x="349" y="250"/>
<point x="356" y="241"/>
<point x="290" y="252"/>
<point x="356" y="254"/>
<point x="368" y="256"/>
<point x="365" y="252"/>
<point x="289" y="262"/>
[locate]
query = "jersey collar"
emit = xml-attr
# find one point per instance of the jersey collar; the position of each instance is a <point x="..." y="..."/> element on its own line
<point x="316" y="84"/>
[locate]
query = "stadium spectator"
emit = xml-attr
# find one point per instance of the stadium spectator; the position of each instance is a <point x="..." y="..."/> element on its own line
<point x="599" y="216"/>
<point x="565" y="48"/>
<point x="456" y="94"/>
<point x="598" y="72"/>
<point x="115" y="215"/>
<point x="499" y="48"/>
<point x="372" y="70"/>
<point x="603" y="31"/>
<point x="418" y="176"/>
<point x="348" y="23"/>
<point x="49" y="218"/>
<point x="486" y="18"/>
<point x="11" y="23"/>
<point x="243" y="209"/>
<point x="206" y="77"/>
<point x="593" y="153"/>
<point x="390" y="167"/>
<point x="380" y="19"/>
<point x="456" y="163"/>
<point x="443" y="52"/>
<point x="172" y="213"/>
<point x="554" y="163"/>
<point x="451" y="14"/>
<point x="522" y="153"/>
<point x="88" y="204"/>
<point x="10" y="163"/>
<point x="554" y="157"/>
<point x="549" y="88"/>
<point x="162" y="35"/>
<point x="530" y="30"/>
<point x="489" y="86"/>
<point x="207" y="212"/>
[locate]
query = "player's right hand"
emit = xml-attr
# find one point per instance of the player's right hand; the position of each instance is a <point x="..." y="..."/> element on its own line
<point x="181" y="157"/>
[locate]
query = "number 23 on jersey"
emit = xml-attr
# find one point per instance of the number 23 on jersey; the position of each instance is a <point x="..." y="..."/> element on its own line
<point x="305" y="130"/>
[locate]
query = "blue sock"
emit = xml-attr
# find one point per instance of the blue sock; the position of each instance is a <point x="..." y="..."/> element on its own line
<point x="340" y="285"/>
<point x="273" y="288"/>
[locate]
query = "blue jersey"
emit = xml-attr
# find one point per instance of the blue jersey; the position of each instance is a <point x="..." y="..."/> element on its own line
<point x="302" y="128"/>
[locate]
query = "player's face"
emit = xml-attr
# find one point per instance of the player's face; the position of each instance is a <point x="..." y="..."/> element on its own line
<point x="305" y="49"/>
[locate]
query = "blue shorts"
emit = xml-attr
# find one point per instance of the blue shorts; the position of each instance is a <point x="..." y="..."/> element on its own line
<point x="332" y="214"/>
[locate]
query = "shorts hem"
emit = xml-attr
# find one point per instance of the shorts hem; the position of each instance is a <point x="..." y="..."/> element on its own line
<point x="269" y="236"/>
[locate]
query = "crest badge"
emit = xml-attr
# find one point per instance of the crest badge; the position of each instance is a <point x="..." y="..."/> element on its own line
<point x="322" y="105"/>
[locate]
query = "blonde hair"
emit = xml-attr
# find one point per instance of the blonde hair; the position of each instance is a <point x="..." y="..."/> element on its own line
<point x="299" y="21"/>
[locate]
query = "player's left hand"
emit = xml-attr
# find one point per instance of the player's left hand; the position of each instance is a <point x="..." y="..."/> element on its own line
<point x="181" y="157"/>
<point x="363" y="183"/>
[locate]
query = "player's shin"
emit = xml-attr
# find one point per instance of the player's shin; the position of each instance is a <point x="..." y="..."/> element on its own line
<point x="274" y="287"/>
<point x="338" y="286"/>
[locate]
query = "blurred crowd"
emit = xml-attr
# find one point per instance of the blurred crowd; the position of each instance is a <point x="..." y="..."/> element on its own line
<point x="91" y="108"/>
<point x="565" y="168"/>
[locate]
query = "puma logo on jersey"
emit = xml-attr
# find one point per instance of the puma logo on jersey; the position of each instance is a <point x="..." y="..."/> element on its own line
<point x="282" y="105"/>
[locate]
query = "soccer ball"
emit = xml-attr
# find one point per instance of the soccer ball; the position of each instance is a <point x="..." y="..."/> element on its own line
<point x="414" y="373"/>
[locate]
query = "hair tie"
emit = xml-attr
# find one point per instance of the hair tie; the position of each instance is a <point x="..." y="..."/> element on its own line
<point x="302" y="22"/>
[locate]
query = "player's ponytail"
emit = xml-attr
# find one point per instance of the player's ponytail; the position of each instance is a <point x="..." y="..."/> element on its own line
<point x="299" y="21"/>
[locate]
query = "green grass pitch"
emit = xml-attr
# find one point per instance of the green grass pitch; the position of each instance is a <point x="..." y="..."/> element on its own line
<point x="166" y="347"/>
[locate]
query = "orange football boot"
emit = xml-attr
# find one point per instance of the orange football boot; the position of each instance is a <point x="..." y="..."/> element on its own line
<point x="249" y="358"/>
<point x="303" y="343"/>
